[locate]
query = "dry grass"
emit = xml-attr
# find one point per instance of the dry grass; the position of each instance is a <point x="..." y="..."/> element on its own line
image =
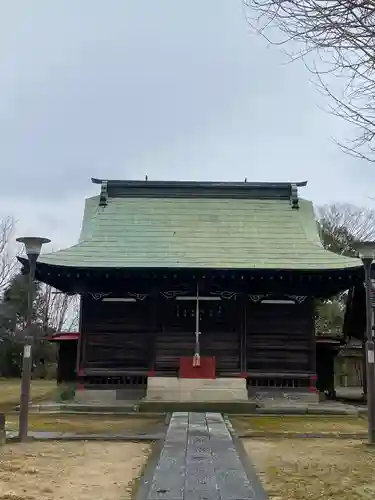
<point x="10" y="390"/>
<point x="308" y="469"/>
<point x="88" y="424"/>
<point x="299" y="424"/>
<point x="78" y="471"/>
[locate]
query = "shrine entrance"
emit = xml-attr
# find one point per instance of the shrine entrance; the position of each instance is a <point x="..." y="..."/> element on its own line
<point x="199" y="327"/>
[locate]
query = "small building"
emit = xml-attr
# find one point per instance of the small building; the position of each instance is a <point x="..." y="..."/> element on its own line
<point x="198" y="279"/>
<point x="66" y="355"/>
<point x="350" y="366"/>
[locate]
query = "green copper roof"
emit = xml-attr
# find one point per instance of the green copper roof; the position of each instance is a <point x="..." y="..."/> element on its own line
<point x="215" y="231"/>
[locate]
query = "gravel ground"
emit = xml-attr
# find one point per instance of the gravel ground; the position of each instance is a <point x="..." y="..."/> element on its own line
<point x="88" y="424"/>
<point x="301" y="424"/>
<point x="74" y="471"/>
<point x="10" y="390"/>
<point x="311" y="469"/>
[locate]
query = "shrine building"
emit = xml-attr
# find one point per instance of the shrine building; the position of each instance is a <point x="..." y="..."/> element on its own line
<point x="192" y="287"/>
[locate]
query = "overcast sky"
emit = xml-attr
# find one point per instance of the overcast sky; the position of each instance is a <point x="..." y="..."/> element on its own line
<point x="176" y="90"/>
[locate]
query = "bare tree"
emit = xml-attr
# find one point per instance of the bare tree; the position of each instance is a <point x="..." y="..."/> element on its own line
<point x="8" y="261"/>
<point x="333" y="37"/>
<point x="59" y="311"/>
<point x="341" y="225"/>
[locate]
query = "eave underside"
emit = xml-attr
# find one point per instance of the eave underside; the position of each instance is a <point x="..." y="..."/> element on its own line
<point x="319" y="283"/>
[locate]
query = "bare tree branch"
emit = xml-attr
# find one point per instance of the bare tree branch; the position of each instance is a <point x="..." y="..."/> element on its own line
<point x="334" y="37"/>
<point x="59" y="311"/>
<point x="342" y="224"/>
<point x="8" y="261"/>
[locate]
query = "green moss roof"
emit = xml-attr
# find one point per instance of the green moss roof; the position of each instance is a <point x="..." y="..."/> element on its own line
<point x="199" y="232"/>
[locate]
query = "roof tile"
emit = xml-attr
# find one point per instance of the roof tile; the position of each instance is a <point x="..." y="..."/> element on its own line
<point x="199" y="233"/>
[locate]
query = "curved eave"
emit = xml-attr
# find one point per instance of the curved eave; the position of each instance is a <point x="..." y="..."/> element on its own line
<point x="103" y="268"/>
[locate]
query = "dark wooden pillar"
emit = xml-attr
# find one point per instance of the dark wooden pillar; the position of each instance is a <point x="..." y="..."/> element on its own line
<point x="313" y="378"/>
<point x="313" y="337"/>
<point x="80" y="329"/>
<point x="243" y="333"/>
<point x="154" y="327"/>
<point x="81" y="355"/>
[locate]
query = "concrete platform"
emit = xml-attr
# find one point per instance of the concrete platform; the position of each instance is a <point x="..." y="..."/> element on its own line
<point x="229" y="407"/>
<point x="300" y="408"/>
<point x="157" y="408"/>
<point x="193" y="390"/>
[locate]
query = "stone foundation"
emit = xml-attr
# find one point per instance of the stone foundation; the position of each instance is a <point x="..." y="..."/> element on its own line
<point x="96" y="397"/>
<point x="185" y="389"/>
<point x="280" y="396"/>
<point x="173" y="389"/>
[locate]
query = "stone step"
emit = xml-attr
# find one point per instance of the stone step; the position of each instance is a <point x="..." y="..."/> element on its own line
<point x="227" y="407"/>
<point x="187" y="390"/>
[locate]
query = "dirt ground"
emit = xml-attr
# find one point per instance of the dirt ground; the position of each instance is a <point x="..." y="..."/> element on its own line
<point x="300" y="424"/>
<point x="312" y="469"/>
<point x="74" y="471"/>
<point x="88" y="424"/>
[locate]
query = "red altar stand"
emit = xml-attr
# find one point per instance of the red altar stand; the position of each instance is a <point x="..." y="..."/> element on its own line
<point x="206" y="368"/>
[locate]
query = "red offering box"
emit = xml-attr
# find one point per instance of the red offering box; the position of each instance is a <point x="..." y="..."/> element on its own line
<point x="207" y="368"/>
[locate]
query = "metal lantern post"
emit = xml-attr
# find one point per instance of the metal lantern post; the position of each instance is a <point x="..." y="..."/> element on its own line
<point x="33" y="246"/>
<point x="366" y="251"/>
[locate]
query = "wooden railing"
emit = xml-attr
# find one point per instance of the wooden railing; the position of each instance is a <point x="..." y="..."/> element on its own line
<point x="287" y="381"/>
<point x="134" y="386"/>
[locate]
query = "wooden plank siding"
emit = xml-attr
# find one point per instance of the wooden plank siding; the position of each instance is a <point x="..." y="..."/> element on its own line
<point x="221" y="325"/>
<point x="117" y="335"/>
<point x="220" y="334"/>
<point x="279" y="338"/>
<point x="152" y="334"/>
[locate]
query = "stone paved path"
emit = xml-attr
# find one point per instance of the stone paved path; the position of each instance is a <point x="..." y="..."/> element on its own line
<point x="199" y="461"/>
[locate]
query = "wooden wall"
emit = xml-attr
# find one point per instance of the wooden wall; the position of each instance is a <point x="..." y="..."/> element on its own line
<point x="280" y="338"/>
<point x="116" y="334"/>
<point x="220" y="325"/>
<point x="152" y="334"/>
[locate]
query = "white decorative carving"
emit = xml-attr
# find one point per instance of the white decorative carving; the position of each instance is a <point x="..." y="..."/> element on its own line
<point x="138" y="296"/>
<point x="225" y="294"/>
<point x="99" y="295"/>
<point x="172" y="294"/>
<point x="256" y="298"/>
<point x="298" y="298"/>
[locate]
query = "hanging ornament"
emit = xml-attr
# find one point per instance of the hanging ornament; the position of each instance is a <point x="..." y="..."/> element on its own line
<point x="196" y="357"/>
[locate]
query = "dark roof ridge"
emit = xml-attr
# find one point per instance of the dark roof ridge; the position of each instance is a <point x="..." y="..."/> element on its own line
<point x="204" y="184"/>
<point x="197" y="189"/>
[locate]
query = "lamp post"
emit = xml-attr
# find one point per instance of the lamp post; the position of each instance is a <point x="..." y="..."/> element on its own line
<point x="33" y="246"/>
<point x="366" y="252"/>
